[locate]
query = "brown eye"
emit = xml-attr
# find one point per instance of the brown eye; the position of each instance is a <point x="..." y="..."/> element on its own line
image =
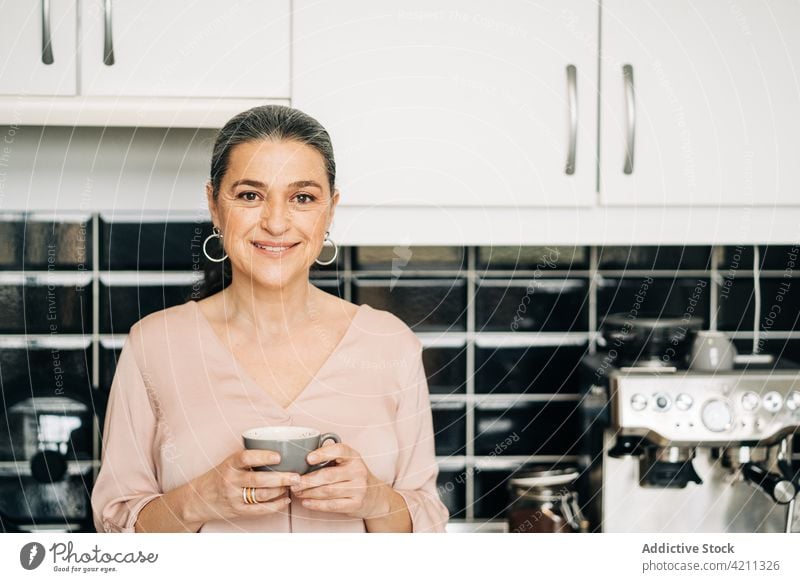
<point x="249" y="196"/>
<point x="304" y="198"/>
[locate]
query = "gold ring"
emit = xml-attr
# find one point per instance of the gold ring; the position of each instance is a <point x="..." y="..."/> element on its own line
<point x="249" y="495"/>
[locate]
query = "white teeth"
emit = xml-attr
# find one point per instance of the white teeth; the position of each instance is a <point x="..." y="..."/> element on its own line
<point x="272" y="249"/>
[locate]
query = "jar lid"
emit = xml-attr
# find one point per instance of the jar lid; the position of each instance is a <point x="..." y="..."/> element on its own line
<point x="544" y="478"/>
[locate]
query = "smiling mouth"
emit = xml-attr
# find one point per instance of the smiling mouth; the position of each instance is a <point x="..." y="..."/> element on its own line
<point x="274" y="250"/>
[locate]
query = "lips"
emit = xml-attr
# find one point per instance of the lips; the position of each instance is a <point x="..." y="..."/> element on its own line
<point x="273" y="249"/>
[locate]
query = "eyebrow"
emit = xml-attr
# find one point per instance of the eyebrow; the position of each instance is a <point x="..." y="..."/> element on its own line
<point x="263" y="186"/>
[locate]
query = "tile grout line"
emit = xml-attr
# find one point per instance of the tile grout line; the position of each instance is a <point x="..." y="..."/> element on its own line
<point x="95" y="336"/>
<point x="593" y="262"/>
<point x="348" y="274"/>
<point x="715" y="290"/>
<point x="470" y="409"/>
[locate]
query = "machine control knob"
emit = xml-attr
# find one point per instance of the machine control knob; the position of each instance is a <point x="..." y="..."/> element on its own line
<point x="717" y="415"/>
<point x="772" y="401"/>
<point x="638" y="402"/>
<point x="662" y="402"/>
<point x="793" y="401"/>
<point x="684" y="401"/>
<point x="750" y="401"/>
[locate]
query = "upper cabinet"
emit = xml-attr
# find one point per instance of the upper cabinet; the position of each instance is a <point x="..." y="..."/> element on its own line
<point x="37" y="47"/>
<point x="141" y="63"/>
<point x="185" y="49"/>
<point x="457" y="103"/>
<point x="700" y="103"/>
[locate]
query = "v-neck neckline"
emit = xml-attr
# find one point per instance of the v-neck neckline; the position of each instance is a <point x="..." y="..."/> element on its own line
<point x="243" y="373"/>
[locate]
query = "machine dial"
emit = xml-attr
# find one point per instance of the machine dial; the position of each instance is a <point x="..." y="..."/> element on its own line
<point x="638" y="402"/>
<point x="750" y="401"/>
<point x="717" y="415"/>
<point x="772" y="401"/>
<point x="684" y="401"/>
<point x="661" y="402"/>
<point x="793" y="401"/>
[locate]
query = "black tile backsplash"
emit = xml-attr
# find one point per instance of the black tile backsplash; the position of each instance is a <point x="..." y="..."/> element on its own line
<point x="153" y="245"/>
<point x="46" y="309"/>
<point x="446" y="369"/>
<point x="779" y="305"/>
<point x="540" y="259"/>
<point x="123" y="305"/>
<point x="654" y="258"/>
<point x="424" y="305"/>
<point x="53" y="369"/>
<point x="514" y="427"/>
<point x="399" y="259"/>
<point x="496" y="395"/>
<point x="542" y="305"/>
<point x="46" y="245"/>
<point x="541" y="370"/>
<point x="452" y="488"/>
<point x="740" y="258"/>
<point x="449" y="426"/>
<point x="681" y="297"/>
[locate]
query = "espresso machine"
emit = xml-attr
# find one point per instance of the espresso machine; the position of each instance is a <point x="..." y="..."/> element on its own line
<point x="670" y="449"/>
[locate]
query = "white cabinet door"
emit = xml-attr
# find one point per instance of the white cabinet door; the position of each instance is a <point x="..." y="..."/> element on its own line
<point x="201" y="48"/>
<point x="453" y="103"/>
<point x="29" y="64"/>
<point x="715" y="108"/>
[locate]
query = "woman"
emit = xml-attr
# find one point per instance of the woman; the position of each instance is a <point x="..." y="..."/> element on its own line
<point x="268" y="349"/>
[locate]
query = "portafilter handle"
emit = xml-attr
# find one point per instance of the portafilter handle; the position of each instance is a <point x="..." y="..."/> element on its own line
<point x="781" y="489"/>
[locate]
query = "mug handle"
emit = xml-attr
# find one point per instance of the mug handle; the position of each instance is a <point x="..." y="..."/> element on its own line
<point x="324" y="437"/>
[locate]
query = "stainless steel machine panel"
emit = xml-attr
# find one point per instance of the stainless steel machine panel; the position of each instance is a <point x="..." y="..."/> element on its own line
<point x="698" y="409"/>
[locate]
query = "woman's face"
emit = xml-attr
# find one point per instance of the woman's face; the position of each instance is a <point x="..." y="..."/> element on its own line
<point x="274" y="194"/>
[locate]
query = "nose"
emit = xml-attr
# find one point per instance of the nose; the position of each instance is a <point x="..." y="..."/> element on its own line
<point x="275" y="216"/>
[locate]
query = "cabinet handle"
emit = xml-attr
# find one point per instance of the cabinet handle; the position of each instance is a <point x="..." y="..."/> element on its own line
<point x="47" y="47"/>
<point x="630" y="119"/>
<point x="108" y="48"/>
<point x="572" y="103"/>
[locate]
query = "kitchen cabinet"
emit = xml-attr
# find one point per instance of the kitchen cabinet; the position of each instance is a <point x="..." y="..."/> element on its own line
<point x="461" y="103"/>
<point x="37" y="44"/>
<point x="185" y="49"/>
<point x="141" y="64"/>
<point x="706" y="96"/>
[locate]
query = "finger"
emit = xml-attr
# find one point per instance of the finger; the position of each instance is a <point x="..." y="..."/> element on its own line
<point x="267" y="507"/>
<point x="322" y="476"/>
<point x="335" y="491"/>
<point x="266" y="479"/>
<point x="334" y="452"/>
<point x="248" y="458"/>
<point x="330" y="505"/>
<point x="265" y="494"/>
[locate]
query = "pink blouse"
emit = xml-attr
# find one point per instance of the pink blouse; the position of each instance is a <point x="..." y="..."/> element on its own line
<point x="180" y="401"/>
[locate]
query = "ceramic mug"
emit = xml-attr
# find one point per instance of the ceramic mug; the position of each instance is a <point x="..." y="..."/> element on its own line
<point x="712" y="351"/>
<point x="293" y="443"/>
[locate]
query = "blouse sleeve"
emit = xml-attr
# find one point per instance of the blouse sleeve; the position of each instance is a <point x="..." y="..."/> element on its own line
<point x="127" y="478"/>
<point x="416" y="464"/>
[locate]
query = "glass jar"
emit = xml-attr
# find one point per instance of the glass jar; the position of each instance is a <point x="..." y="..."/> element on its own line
<point x="545" y="501"/>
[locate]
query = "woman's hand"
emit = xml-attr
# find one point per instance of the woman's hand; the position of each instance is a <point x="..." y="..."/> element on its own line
<point x="347" y="487"/>
<point x="217" y="494"/>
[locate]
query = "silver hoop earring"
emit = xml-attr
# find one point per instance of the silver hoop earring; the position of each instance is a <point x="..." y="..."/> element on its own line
<point x="215" y="233"/>
<point x="335" y="250"/>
